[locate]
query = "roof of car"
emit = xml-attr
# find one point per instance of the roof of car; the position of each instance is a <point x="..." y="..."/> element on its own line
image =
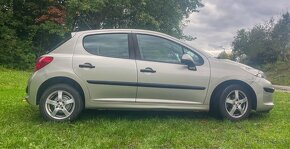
<point x="119" y="30"/>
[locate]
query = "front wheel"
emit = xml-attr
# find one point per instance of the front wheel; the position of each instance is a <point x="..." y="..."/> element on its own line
<point x="235" y="103"/>
<point x="61" y="102"/>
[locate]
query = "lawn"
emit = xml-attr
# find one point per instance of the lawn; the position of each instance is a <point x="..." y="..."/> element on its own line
<point x="22" y="126"/>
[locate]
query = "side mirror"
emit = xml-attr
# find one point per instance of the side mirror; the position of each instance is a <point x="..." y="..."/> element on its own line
<point x="187" y="60"/>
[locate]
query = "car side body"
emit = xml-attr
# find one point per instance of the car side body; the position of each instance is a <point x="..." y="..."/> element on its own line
<point x="129" y="81"/>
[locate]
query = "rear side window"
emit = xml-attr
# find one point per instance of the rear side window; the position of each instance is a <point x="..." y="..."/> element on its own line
<point x="109" y="45"/>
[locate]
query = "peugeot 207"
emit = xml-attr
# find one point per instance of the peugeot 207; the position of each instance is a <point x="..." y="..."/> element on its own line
<point x="139" y="69"/>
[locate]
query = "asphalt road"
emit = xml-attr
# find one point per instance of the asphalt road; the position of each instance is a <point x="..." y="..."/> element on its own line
<point x="282" y="88"/>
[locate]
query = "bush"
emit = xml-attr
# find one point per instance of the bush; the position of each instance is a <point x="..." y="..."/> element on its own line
<point x="278" y="73"/>
<point x="14" y="52"/>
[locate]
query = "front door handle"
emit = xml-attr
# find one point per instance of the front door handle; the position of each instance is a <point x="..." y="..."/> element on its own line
<point x="148" y="69"/>
<point x="86" y="65"/>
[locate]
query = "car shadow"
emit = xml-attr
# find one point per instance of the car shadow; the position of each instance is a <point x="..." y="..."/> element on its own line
<point x="259" y="115"/>
<point x="90" y="114"/>
<point x="32" y="113"/>
<point x="142" y="114"/>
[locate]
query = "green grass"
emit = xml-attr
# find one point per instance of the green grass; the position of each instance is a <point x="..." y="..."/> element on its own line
<point x="21" y="126"/>
<point x="278" y="73"/>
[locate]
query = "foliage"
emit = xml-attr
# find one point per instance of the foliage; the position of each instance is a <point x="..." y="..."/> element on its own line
<point x="29" y="28"/>
<point x="24" y="36"/>
<point x="281" y="36"/>
<point x="278" y="73"/>
<point x="15" y="46"/>
<point x="47" y="35"/>
<point x="225" y="55"/>
<point x="23" y="127"/>
<point x="15" y="52"/>
<point x="160" y="15"/>
<point x="264" y="43"/>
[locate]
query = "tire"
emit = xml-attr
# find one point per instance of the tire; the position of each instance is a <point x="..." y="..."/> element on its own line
<point x="235" y="103"/>
<point x="60" y="103"/>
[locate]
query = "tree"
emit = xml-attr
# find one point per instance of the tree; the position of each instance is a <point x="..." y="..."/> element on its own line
<point x="240" y="43"/>
<point x="159" y="15"/>
<point x="224" y="55"/>
<point x="29" y="28"/>
<point x="50" y="27"/>
<point x="281" y="36"/>
<point x="15" y="39"/>
<point x="264" y="43"/>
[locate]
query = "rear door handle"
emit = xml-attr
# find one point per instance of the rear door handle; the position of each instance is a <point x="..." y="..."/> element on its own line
<point x="86" y="65"/>
<point x="148" y="69"/>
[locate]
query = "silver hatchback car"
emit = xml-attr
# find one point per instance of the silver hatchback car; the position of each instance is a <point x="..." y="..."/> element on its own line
<point x="139" y="69"/>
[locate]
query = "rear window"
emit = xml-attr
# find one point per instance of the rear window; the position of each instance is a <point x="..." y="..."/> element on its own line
<point x="109" y="45"/>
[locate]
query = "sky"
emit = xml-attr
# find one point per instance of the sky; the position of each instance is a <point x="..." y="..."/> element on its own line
<point x="216" y="24"/>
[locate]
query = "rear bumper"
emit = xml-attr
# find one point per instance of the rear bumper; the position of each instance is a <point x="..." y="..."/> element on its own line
<point x="264" y="92"/>
<point x="32" y="86"/>
<point x="27" y="99"/>
<point x="27" y="90"/>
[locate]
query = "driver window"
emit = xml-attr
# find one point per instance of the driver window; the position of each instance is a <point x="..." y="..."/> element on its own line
<point x="154" y="48"/>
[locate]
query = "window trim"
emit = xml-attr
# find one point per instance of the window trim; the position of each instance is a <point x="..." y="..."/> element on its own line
<point x="130" y="42"/>
<point x="138" y="52"/>
<point x="202" y="60"/>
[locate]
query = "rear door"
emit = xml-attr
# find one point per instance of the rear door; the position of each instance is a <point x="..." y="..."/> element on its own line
<point x="161" y="76"/>
<point x="107" y="65"/>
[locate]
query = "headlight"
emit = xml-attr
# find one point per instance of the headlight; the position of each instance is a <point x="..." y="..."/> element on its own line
<point x="254" y="72"/>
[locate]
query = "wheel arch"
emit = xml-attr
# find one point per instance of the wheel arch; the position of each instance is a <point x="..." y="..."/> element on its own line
<point x="59" y="80"/>
<point x="222" y="85"/>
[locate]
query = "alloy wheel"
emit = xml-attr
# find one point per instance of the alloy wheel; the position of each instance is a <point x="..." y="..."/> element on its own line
<point x="236" y="103"/>
<point x="60" y="104"/>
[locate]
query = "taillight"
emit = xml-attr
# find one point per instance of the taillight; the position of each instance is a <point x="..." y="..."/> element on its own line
<point x="42" y="61"/>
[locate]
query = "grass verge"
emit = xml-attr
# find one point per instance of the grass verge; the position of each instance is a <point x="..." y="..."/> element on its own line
<point x="278" y="73"/>
<point x="22" y="126"/>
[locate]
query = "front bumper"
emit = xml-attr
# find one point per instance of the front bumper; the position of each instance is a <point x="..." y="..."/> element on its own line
<point x="264" y="93"/>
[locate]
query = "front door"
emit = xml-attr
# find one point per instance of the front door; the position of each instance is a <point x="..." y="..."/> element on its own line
<point x="161" y="76"/>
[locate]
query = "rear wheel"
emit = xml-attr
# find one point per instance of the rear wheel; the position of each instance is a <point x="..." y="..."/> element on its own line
<point x="235" y="103"/>
<point x="61" y="102"/>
